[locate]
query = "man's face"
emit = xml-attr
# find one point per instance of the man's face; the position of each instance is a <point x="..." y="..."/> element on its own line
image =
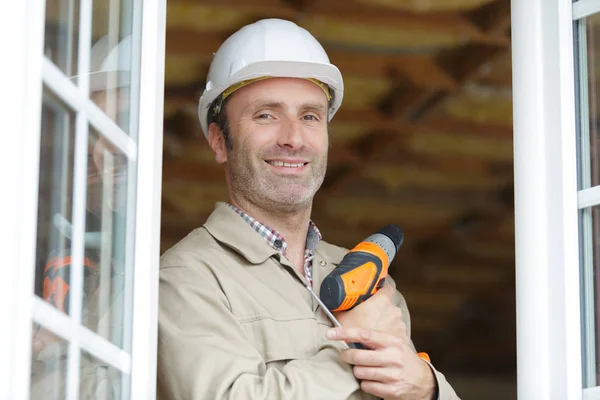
<point x="278" y="130"/>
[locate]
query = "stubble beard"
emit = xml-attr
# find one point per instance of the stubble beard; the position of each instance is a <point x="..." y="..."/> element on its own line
<point x="253" y="181"/>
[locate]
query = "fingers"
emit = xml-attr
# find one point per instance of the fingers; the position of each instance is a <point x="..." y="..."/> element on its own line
<point x="370" y="338"/>
<point x="378" y="389"/>
<point x="384" y="375"/>
<point x="368" y="358"/>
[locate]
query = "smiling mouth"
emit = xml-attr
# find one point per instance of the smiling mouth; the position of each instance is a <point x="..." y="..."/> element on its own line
<point x="285" y="164"/>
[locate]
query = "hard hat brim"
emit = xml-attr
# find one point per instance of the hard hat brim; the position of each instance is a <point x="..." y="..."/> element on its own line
<point x="326" y="73"/>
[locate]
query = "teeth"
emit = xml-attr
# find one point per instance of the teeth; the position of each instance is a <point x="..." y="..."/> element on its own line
<point x="284" y="164"/>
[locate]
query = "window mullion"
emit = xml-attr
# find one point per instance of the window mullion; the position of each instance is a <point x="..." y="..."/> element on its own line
<point x="79" y="197"/>
<point x="588" y="197"/>
<point x="585" y="178"/>
<point x="63" y="326"/>
<point x="587" y="281"/>
<point x="78" y="100"/>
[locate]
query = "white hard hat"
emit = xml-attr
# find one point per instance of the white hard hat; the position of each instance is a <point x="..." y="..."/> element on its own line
<point x="110" y="67"/>
<point x="269" y="48"/>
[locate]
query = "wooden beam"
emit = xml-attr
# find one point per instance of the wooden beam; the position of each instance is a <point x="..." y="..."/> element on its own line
<point x="463" y="64"/>
<point x="420" y="69"/>
<point x="493" y="18"/>
<point x="370" y="119"/>
<point x="451" y="23"/>
<point x="352" y="13"/>
<point x="192" y="171"/>
<point x="496" y="72"/>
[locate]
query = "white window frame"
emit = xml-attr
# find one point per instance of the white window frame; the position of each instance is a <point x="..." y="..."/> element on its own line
<point x="546" y="202"/>
<point x="553" y="330"/>
<point x="21" y="35"/>
<point x="22" y="32"/>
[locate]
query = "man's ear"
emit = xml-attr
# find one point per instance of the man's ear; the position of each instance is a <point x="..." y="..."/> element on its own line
<point x="216" y="141"/>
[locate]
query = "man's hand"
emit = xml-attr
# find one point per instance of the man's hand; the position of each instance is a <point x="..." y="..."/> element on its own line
<point x="391" y="369"/>
<point x="378" y="312"/>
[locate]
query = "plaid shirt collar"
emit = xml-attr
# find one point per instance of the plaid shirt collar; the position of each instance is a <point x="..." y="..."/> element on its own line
<point x="278" y="243"/>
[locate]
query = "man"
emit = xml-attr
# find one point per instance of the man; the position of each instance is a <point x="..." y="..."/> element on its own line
<point x="235" y="319"/>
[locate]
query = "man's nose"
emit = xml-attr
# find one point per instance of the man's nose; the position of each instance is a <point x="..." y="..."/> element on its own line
<point x="291" y="134"/>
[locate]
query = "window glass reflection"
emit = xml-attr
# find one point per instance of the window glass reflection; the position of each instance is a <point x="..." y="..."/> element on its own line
<point x="48" y="365"/>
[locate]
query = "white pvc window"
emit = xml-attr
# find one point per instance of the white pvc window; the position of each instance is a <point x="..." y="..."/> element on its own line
<point x="556" y="71"/>
<point x="549" y="345"/>
<point x="84" y="164"/>
<point x="586" y="27"/>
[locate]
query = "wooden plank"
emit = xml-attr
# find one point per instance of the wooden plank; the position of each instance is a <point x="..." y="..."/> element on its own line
<point x="372" y="120"/>
<point x="466" y="273"/>
<point x="194" y="46"/>
<point x="397" y="177"/>
<point x="451" y="25"/>
<point x="193" y="200"/>
<point x="367" y="119"/>
<point x="493" y="17"/>
<point x="463" y="64"/>
<point x="381" y="212"/>
<point x="496" y="72"/>
<point x="480" y="104"/>
<point x="420" y="298"/>
<point x="426" y="6"/>
<point x="192" y="171"/>
<point x="442" y="143"/>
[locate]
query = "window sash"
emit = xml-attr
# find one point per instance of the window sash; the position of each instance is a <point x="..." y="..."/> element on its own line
<point x="546" y="213"/>
<point x="149" y="179"/>
<point x="21" y="36"/>
<point x="588" y="197"/>
<point x="73" y="96"/>
<point x="65" y="327"/>
<point x="584" y="8"/>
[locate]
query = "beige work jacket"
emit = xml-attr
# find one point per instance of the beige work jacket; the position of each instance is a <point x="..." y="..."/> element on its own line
<point x="236" y="322"/>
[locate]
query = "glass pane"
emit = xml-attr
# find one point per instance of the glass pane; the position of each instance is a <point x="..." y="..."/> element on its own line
<point x="590" y="272"/>
<point x="108" y="196"/>
<point x="110" y="51"/>
<point x="106" y="218"/>
<point x="54" y="204"/>
<point x="105" y="238"/>
<point x="61" y="34"/>
<point x="99" y="380"/>
<point x="589" y="107"/>
<point x="111" y="59"/>
<point x="48" y="365"/>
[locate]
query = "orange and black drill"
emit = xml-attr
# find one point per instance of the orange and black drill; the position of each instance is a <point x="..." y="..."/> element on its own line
<point x="360" y="274"/>
<point x="362" y="271"/>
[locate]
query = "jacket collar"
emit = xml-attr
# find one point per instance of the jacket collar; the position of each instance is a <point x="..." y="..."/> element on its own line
<point x="227" y="227"/>
<point x="331" y="253"/>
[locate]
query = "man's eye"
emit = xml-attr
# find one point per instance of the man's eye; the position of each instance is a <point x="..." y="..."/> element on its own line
<point x="311" y="118"/>
<point x="265" y="116"/>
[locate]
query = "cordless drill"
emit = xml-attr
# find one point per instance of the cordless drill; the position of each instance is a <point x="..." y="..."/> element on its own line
<point x="362" y="271"/>
<point x="360" y="274"/>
